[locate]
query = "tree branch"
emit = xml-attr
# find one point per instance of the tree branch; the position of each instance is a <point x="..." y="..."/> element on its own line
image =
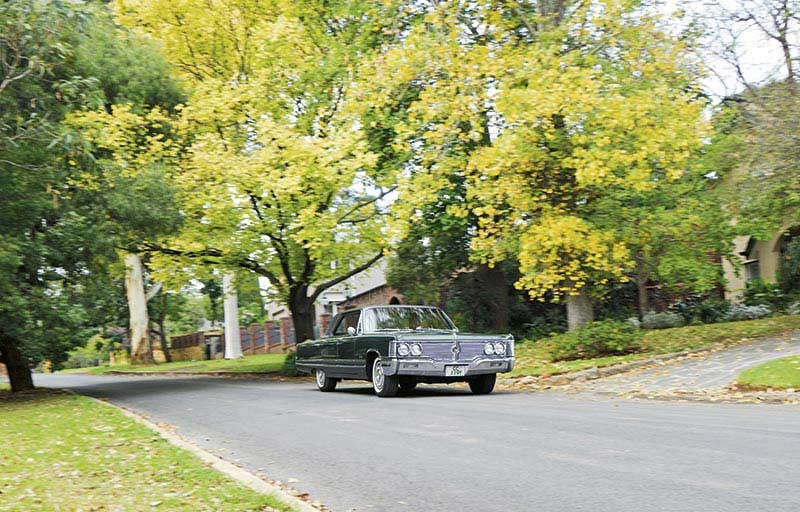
<point x="332" y="282"/>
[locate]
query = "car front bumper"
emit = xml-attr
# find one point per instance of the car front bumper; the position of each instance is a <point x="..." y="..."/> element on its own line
<point x="430" y="368"/>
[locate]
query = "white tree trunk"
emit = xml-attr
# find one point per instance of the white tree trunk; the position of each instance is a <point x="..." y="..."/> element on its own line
<point x="580" y="309"/>
<point x="141" y="350"/>
<point x="233" y="343"/>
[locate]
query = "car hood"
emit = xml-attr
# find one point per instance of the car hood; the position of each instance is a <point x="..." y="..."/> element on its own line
<point x="429" y="336"/>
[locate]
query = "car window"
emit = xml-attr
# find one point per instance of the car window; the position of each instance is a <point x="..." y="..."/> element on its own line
<point x="405" y="318"/>
<point x="348" y="320"/>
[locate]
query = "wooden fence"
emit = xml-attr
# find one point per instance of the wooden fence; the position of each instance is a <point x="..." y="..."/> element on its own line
<point x="266" y="338"/>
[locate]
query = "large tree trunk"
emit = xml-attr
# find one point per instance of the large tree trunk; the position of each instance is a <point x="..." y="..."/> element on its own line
<point x="19" y="373"/>
<point x="303" y="313"/>
<point x="233" y="342"/>
<point x="580" y="309"/>
<point x="141" y="349"/>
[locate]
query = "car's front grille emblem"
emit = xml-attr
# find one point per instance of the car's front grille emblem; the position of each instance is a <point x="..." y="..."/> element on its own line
<point x="455" y="348"/>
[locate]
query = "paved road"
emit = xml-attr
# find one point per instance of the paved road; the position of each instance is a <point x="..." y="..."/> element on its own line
<point x="704" y="372"/>
<point x="446" y="450"/>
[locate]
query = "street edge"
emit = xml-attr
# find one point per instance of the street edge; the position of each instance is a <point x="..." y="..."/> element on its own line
<point x="239" y="474"/>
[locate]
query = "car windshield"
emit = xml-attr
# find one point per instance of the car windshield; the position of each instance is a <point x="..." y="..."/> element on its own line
<point x="405" y="318"/>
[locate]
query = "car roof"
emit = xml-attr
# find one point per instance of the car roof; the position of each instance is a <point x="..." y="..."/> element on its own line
<point x="364" y="308"/>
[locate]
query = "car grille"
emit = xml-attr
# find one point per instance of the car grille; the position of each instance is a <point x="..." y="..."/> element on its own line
<point x="440" y="351"/>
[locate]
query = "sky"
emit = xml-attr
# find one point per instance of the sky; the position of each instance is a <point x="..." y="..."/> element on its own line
<point x="759" y="56"/>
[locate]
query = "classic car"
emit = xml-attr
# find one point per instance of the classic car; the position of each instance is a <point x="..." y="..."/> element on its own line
<point x="397" y="347"/>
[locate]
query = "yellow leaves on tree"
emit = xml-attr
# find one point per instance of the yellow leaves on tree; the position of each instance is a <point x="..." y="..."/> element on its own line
<point x="563" y="253"/>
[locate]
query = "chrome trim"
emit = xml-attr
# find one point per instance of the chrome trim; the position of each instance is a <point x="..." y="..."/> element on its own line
<point x="428" y="367"/>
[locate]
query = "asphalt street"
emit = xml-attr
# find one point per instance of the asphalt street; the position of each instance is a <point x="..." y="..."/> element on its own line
<point x="445" y="449"/>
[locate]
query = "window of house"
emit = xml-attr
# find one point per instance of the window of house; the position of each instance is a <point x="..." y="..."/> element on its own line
<point x="752" y="268"/>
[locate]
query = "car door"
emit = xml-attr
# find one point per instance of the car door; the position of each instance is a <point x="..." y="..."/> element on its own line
<point x="345" y="341"/>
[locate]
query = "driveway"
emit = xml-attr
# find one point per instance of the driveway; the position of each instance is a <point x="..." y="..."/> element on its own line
<point x="702" y="373"/>
<point x="444" y="449"/>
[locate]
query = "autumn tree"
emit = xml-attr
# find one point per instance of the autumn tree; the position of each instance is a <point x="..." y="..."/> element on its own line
<point x="279" y="177"/>
<point x="574" y="102"/>
<point x="125" y="159"/>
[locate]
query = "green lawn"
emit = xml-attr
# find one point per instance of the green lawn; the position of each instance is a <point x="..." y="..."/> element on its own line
<point x="255" y="363"/>
<point x="776" y="374"/>
<point x="533" y="358"/>
<point x="67" y="452"/>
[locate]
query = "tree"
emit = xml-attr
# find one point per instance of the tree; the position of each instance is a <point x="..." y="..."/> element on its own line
<point x="55" y="245"/>
<point x="759" y="117"/>
<point x="578" y="102"/>
<point x="125" y="158"/>
<point x="43" y="269"/>
<point x="279" y="177"/>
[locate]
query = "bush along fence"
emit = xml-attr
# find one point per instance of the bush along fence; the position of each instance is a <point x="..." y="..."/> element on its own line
<point x="266" y="338"/>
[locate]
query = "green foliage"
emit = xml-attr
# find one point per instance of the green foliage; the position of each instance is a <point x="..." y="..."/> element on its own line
<point x="57" y="241"/>
<point x="535" y="358"/>
<point x="289" y="368"/>
<point x="94" y="353"/>
<point x="596" y="339"/>
<point x="758" y="292"/>
<point x="653" y="320"/>
<point x="701" y="309"/>
<point x="789" y="269"/>
<point x="745" y="312"/>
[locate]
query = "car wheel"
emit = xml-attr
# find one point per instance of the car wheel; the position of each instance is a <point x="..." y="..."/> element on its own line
<point x="408" y="384"/>
<point x="324" y="383"/>
<point x="483" y="385"/>
<point x="384" y="385"/>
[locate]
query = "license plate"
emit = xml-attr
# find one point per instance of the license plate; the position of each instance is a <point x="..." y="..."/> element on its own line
<point x="455" y="370"/>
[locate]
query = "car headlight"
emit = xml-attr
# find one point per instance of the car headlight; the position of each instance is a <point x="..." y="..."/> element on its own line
<point x="402" y="349"/>
<point x="488" y="349"/>
<point x="416" y="349"/>
<point x="499" y="349"/>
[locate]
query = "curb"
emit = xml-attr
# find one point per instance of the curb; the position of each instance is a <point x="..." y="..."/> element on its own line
<point x="722" y="398"/>
<point x="606" y="371"/>
<point x="239" y="474"/>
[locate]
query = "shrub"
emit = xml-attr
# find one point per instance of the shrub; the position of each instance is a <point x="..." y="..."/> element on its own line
<point x="760" y="292"/>
<point x="596" y="339"/>
<point x="634" y="322"/>
<point x="288" y="368"/>
<point x="789" y="269"/>
<point x="665" y="320"/>
<point x="701" y="309"/>
<point x="711" y="311"/>
<point x="745" y="312"/>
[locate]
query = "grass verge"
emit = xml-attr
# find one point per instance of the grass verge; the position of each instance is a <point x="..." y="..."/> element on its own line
<point x="264" y="363"/>
<point x="534" y="359"/>
<point x="66" y="452"/>
<point x="781" y="373"/>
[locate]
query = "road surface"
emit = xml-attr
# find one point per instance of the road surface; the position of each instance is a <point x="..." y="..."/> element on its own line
<point x="444" y="449"/>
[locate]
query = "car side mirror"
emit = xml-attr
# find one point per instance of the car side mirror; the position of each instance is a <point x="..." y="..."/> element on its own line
<point x="351" y="331"/>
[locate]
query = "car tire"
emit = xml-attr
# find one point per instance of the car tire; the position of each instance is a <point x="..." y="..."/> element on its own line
<point x="408" y="384"/>
<point x="483" y="385"/>
<point x="384" y="385"/>
<point x="324" y="383"/>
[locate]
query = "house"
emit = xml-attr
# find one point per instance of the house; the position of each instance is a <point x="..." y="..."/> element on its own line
<point x="760" y="259"/>
<point x="368" y="288"/>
